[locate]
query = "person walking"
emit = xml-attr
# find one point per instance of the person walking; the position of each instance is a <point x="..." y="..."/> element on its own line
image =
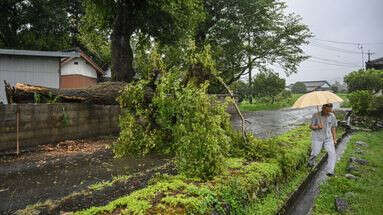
<point x="323" y="126"/>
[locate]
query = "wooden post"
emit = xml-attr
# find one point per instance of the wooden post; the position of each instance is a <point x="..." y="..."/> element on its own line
<point x="17" y="130"/>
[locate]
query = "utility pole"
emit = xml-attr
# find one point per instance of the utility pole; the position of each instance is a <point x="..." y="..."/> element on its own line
<point x="360" y="46"/>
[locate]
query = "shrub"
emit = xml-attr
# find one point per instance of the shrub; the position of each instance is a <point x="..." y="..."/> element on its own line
<point x="376" y="108"/>
<point x="180" y="121"/>
<point x="169" y="116"/>
<point x="360" y="101"/>
<point x="268" y="84"/>
<point x="371" y="80"/>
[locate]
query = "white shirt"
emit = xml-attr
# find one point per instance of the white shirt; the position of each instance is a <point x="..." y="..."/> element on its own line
<point x="328" y="122"/>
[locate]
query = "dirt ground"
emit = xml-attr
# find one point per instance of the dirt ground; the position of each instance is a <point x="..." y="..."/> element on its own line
<point x="55" y="171"/>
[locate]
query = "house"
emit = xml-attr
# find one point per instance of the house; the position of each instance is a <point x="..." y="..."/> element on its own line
<point x="375" y="64"/>
<point x="32" y="67"/>
<point x="316" y="85"/>
<point x="79" y="72"/>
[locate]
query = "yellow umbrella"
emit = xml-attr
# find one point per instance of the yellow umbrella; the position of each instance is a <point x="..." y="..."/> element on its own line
<point x="316" y="98"/>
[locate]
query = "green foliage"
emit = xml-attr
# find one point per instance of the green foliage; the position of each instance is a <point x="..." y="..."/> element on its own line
<point x="377" y="106"/>
<point x="371" y="80"/>
<point x="39" y="24"/>
<point x="346" y="101"/>
<point x="286" y="149"/>
<point x="65" y="118"/>
<point x="37" y="98"/>
<point x="283" y="100"/>
<point x="246" y="34"/>
<point x="238" y="190"/>
<point x="361" y="101"/>
<point x="242" y="90"/>
<point x="268" y="84"/>
<point x="50" y="98"/>
<point x="170" y="116"/>
<point x="299" y="87"/>
<point x="164" y="21"/>
<point x="366" y="193"/>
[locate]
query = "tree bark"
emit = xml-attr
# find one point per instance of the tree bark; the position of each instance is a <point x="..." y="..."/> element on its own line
<point x="102" y="94"/>
<point x="122" y="53"/>
<point x="250" y="80"/>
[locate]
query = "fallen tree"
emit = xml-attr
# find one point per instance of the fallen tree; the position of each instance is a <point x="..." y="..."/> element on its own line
<point x="102" y="93"/>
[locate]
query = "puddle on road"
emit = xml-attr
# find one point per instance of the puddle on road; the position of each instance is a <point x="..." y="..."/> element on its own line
<point x="266" y="124"/>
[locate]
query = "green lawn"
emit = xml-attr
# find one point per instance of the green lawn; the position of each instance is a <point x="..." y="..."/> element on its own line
<point x="346" y="103"/>
<point x="259" y="105"/>
<point x="366" y="195"/>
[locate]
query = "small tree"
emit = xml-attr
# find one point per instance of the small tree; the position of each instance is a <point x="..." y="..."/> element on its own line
<point x="371" y="80"/>
<point x="268" y="84"/>
<point x="299" y="87"/>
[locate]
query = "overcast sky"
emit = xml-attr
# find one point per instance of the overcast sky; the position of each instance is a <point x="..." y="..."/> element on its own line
<point x="347" y="23"/>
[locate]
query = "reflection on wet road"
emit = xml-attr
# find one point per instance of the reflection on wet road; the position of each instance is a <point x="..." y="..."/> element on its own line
<point x="272" y="123"/>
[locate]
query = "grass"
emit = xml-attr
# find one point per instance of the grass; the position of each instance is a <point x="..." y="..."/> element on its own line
<point x="259" y="104"/>
<point x="245" y="187"/>
<point x="346" y="103"/>
<point x="273" y="202"/>
<point x="365" y="194"/>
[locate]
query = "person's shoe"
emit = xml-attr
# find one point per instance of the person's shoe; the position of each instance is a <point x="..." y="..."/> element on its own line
<point x="330" y="174"/>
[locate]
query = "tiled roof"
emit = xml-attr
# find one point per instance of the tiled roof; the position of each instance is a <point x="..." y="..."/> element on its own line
<point x="376" y="61"/>
<point x="315" y="83"/>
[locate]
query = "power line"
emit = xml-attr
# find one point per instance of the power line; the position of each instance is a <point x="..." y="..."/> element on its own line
<point x="332" y="64"/>
<point x="336" y="49"/>
<point x="349" y="43"/>
<point x="333" y="61"/>
<point x="360" y="46"/>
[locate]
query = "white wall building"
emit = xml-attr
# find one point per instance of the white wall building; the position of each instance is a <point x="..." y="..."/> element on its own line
<point x="32" y="67"/>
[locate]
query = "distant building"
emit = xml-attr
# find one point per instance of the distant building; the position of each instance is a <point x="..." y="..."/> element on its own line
<point x="32" y="67"/>
<point x="375" y="64"/>
<point x="317" y="85"/>
<point x="79" y="72"/>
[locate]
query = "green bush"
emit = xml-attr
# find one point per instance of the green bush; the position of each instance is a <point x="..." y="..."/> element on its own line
<point x="268" y="84"/>
<point x="361" y="101"/>
<point x="371" y="80"/>
<point x="377" y="106"/>
<point x="163" y="113"/>
<point x="180" y="121"/>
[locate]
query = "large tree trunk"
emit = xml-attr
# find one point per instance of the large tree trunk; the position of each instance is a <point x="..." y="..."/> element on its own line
<point x="122" y="53"/>
<point x="103" y="94"/>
